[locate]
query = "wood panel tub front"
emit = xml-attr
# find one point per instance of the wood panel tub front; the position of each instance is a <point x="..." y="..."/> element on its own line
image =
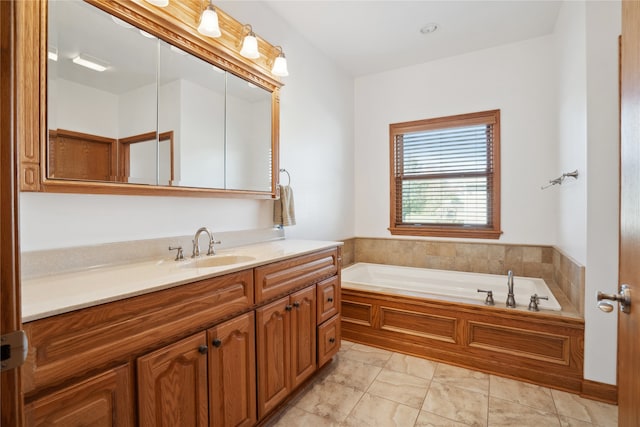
<point x="545" y="349"/>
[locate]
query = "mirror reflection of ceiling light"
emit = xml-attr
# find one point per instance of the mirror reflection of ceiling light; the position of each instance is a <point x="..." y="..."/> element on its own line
<point x="52" y="54"/>
<point x="208" y="25"/>
<point x="251" y="85"/>
<point x="89" y="62"/>
<point x="147" y="35"/>
<point x="120" y="22"/>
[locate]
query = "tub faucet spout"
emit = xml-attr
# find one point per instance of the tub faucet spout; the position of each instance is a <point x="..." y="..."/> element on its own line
<point x="511" y="301"/>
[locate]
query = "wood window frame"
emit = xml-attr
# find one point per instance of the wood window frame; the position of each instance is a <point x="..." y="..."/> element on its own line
<point x="491" y="231"/>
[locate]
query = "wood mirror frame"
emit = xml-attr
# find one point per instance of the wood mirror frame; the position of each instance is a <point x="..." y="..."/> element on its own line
<point x="176" y="24"/>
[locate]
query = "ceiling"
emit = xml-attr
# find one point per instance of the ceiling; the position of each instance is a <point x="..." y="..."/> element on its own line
<point x="371" y="36"/>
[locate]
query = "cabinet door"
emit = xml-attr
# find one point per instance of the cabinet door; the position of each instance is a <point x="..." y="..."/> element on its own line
<point x="172" y="384"/>
<point x="232" y="372"/>
<point x="102" y="400"/>
<point x="303" y="335"/>
<point x="274" y="352"/>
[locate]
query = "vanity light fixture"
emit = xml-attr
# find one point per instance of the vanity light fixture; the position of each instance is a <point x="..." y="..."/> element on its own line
<point x="159" y="3"/>
<point x="249" y="44"/>
<point x="208" y="25"/>
<point x="90" y="62"/>
<point x="280" y="64"/>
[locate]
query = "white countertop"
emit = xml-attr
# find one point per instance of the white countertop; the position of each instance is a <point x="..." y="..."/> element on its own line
<point x="60" y="293"/>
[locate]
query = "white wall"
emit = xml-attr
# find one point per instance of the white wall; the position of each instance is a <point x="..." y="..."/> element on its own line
<point x="588" y="208"/>
<point x="316" y="146"/>
<point x="518" y="79"/>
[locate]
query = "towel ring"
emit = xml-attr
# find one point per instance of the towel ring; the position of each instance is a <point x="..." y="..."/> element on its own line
<point x="288" y="176"/>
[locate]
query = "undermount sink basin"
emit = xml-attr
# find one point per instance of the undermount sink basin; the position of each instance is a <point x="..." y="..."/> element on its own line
<point x="219" y="261"/>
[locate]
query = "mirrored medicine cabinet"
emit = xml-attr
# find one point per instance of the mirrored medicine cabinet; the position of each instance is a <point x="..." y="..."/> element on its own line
<point x="137" y="102"/>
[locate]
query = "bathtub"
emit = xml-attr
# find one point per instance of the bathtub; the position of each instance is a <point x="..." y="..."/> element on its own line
<point x="443" y="284"/>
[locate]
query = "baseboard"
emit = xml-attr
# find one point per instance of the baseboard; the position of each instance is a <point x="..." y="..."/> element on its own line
<point x="600" y="391"/>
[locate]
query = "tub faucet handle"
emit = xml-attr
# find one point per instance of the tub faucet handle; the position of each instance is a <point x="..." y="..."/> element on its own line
<point x="535" y="299"/>
<point x="489" y="299"/>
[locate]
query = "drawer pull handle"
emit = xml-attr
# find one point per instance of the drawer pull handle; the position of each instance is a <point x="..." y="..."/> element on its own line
<point x="202" y="349"/>
<point x="332" y="340"/>
<point x="288" y="307"/>
<point x="216" y="343"/>
<point x="296" y="304"/>
<point x="330" y="299"/>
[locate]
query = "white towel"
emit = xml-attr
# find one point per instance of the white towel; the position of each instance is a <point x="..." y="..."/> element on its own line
<point x="283" y="208"/>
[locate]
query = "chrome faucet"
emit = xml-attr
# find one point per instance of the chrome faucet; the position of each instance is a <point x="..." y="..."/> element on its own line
<point x="511" y="301"/>
<point x="196" y="244"/>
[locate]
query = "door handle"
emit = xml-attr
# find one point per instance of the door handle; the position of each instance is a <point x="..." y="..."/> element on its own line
<point x="623" y="298"/>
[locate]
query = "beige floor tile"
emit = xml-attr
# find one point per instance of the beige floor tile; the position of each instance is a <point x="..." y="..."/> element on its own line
<point x="462" y="378"/>
<point x="522" y="393"/>
<point x="369" y="355"/>
<point x="399" y="387"/>
<point x="373" y="411"/>
<point x="330" y="400"/>
<point x="353" y="373"/>
<point x="295" y="417"/>
<point x="591" y="411"/>
<point x="411" y="365"/>
<point x="509" y="414"/>
<point x="571" y="422"/>
<point x="468" y="407"/>
<point x="345" y="345"/>
<point x="428" y="419"/>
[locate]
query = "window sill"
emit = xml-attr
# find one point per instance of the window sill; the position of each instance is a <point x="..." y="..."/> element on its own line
<point x="472" y="233"/>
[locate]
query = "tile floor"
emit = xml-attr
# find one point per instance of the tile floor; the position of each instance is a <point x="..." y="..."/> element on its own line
<point x="366" y="387"/>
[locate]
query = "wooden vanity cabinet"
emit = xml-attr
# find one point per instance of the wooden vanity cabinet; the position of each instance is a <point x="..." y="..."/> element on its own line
<point x="200" y="354"/>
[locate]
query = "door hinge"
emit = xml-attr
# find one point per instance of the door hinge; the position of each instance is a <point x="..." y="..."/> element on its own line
<point x="13" y="350"/>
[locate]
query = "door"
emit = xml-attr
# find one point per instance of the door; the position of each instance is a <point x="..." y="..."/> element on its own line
<point x="274" y="352"/>
<point x="232" y="373"/>
<point x="10" y="317"/>
<point x="172" y="385"/>
<point x="303" y="335"/>
<point x="629" y="324"/>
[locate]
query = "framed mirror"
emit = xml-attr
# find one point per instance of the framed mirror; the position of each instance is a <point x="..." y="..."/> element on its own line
<point x="131" y="113"/>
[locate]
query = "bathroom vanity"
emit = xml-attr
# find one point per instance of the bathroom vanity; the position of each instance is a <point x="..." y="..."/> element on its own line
<point x="208" y="345"/>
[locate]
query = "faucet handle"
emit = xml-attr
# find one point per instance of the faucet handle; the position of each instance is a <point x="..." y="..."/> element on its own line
<point x="212" y="250"/>
<point x="535" y="299"/>
<point x="179" y="253"/>
<point x="489" y="299"/>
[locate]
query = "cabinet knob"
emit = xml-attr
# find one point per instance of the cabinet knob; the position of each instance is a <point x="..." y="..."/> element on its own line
<point x="330" y="299"/>
<point x="296" y="304"/>
<point x="288" y="307"/>
<point x="332" y="340"/>
<point x="202" y="349"/>
<point x="216" y="343"/>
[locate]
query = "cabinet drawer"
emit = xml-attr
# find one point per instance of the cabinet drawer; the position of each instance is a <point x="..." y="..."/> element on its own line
<point x="281" y="277"/>
<point x="328" y="339"/>
<point x="328" y="297"/>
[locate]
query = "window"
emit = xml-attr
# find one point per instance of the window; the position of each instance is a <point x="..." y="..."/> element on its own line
<point x="445" y="176"/>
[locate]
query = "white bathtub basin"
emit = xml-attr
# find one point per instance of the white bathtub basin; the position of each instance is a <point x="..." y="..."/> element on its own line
<point x="456" y="285"/>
